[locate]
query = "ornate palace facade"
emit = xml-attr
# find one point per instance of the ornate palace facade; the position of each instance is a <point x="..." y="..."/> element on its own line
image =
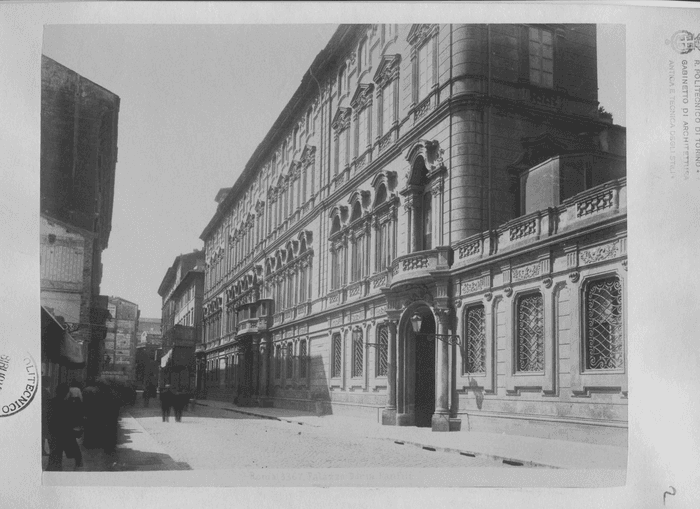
<point x="457" y="179"/>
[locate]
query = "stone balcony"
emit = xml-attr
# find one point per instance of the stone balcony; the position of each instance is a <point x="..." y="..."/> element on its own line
<point x="594" y="205"/>
<point x="419" y="264"/>
<point x="249" y="326"/>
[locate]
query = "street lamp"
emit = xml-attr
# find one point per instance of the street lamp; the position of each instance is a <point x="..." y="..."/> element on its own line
<point x="450" y="339"/>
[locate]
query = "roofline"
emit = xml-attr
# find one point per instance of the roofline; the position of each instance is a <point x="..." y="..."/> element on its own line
<point x="169" y="274"/>
<point x="190" y="274"/>
<point x="310" y="80"/>
<point x="86" y="79"/>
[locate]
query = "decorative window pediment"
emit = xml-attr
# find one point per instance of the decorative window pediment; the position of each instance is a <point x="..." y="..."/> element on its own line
<point x="387" y="69"/>
<point x="341" y="120"/>
<point x="360" y="196"/>
<point x="362" y="96"/>
<point x="419" y="33"/>
<point x="432" y="156"/>
<point x="308" y="155"/>
<point x="388" y="178"/>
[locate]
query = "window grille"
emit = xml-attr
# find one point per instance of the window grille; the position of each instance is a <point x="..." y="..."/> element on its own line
<point x="541" y="58"/>
<point x="530" y="351"/>
<point x="337" y="356"/>
<point x="604" y="340"/>
<point x="357" y="353"/>
<point x="290" y="360"/>
<point x="475" y="344"/>
<point x="382" y="350"/>
<point x="278" y="361"/>
<point x="302" y="358"/>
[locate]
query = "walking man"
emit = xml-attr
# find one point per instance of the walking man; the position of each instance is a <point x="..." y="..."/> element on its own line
<point x="166" y="401"/>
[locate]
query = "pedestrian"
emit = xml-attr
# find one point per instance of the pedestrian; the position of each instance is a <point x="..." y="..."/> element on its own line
<point x="93" y="432"/>
<point x="166" y="401"/>
<point x="61" y="434"/>
<point x="147" y="393"/>
<point x="74" y="398"/>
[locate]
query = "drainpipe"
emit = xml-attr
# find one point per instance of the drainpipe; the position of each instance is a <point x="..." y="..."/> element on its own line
<point x="488" y="136"/>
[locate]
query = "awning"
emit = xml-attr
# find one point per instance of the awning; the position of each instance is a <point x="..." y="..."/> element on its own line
<point x="164" y="360"/>
<point x="52" y="330"/>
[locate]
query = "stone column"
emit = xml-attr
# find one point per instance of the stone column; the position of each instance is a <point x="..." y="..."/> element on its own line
<point x="389" y="412"/>
<point x="254" y="376"/>
<point x="441" y="417"/>
<point x="264" y="372"/>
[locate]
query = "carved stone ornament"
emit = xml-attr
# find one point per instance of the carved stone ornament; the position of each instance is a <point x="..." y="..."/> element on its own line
<point x="488" y="297"/>
<point x="419" y="33"/>
<point x="458" y="303"/>
<point x="547" y="282"/>
<point x="574" y="276"/>
<point x="508" y="291"/>
<point x="624" y="265"/>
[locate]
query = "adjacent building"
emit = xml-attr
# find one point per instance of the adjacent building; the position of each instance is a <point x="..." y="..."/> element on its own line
<point x="148" y="351"/>
<point x="433" y="233"/>
<point x="119" y="361"/>
<point x="79" y="122"/>
<point x="181" y="291"/>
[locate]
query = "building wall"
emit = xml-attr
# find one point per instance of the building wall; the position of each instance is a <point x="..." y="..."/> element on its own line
<point x="467" y="133"/>
<point x="121" y="339"/>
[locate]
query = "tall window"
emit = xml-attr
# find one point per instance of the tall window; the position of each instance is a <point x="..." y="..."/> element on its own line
<point x="309" y="128"/>
<point x="475" y="341"/>
<point x="290" y="361"/>
<point x="278" y="361"/>
<point x="388" y="107"/>
<point x="303" y="282"/>
<point x="363" y="130"/>
<point x="382" y="350"/>
<point x="604" y="344"/>
<point x="427" y="217"/>
<point x="357" y="353"/>
<point x="302" y="358"/>
<point x="530" y="333"/>
<point x="362" y="57"/>
<point x="341" y="81"/>
<point x="425" y="69"/>
<point x="541" y="58"/>
<point x="337" y="353"/>
<point x="295" y="138"/>
<point x="342" y="150"/>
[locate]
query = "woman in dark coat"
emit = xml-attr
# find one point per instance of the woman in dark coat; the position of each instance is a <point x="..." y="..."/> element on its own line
<point x="61" y="434"/>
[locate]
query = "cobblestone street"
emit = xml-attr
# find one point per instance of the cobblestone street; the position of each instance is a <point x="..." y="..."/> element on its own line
<point x="213" y="438"/>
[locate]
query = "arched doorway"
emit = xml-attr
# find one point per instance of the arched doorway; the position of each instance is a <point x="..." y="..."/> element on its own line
<point x="424" y="368"/>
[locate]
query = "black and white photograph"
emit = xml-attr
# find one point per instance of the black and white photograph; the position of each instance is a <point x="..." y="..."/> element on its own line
<point x="410" y="239"/>
<point x="302" y="252"/>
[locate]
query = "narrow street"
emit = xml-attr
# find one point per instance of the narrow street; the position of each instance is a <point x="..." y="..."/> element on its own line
<point x="210" y="438"/>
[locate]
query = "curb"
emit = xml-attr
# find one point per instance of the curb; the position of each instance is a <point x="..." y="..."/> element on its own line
<point x="505" y="459"/>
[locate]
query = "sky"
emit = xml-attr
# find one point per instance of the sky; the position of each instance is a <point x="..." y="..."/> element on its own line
<point x="196" y="100"/>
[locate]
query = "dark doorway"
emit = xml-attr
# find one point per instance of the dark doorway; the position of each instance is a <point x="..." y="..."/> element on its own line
<point x="425" y="372"/>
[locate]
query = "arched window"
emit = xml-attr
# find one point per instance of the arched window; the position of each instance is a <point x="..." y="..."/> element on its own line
<point x="381" y="195"/>
<point x="278" y="361"/>
<point x="356" y="212"/>
<point x="336" y="225"/>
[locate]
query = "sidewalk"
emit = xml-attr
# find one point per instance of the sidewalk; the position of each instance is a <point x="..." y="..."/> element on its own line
<point x="512" y="449"/>
<point x="136" y="451"/>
